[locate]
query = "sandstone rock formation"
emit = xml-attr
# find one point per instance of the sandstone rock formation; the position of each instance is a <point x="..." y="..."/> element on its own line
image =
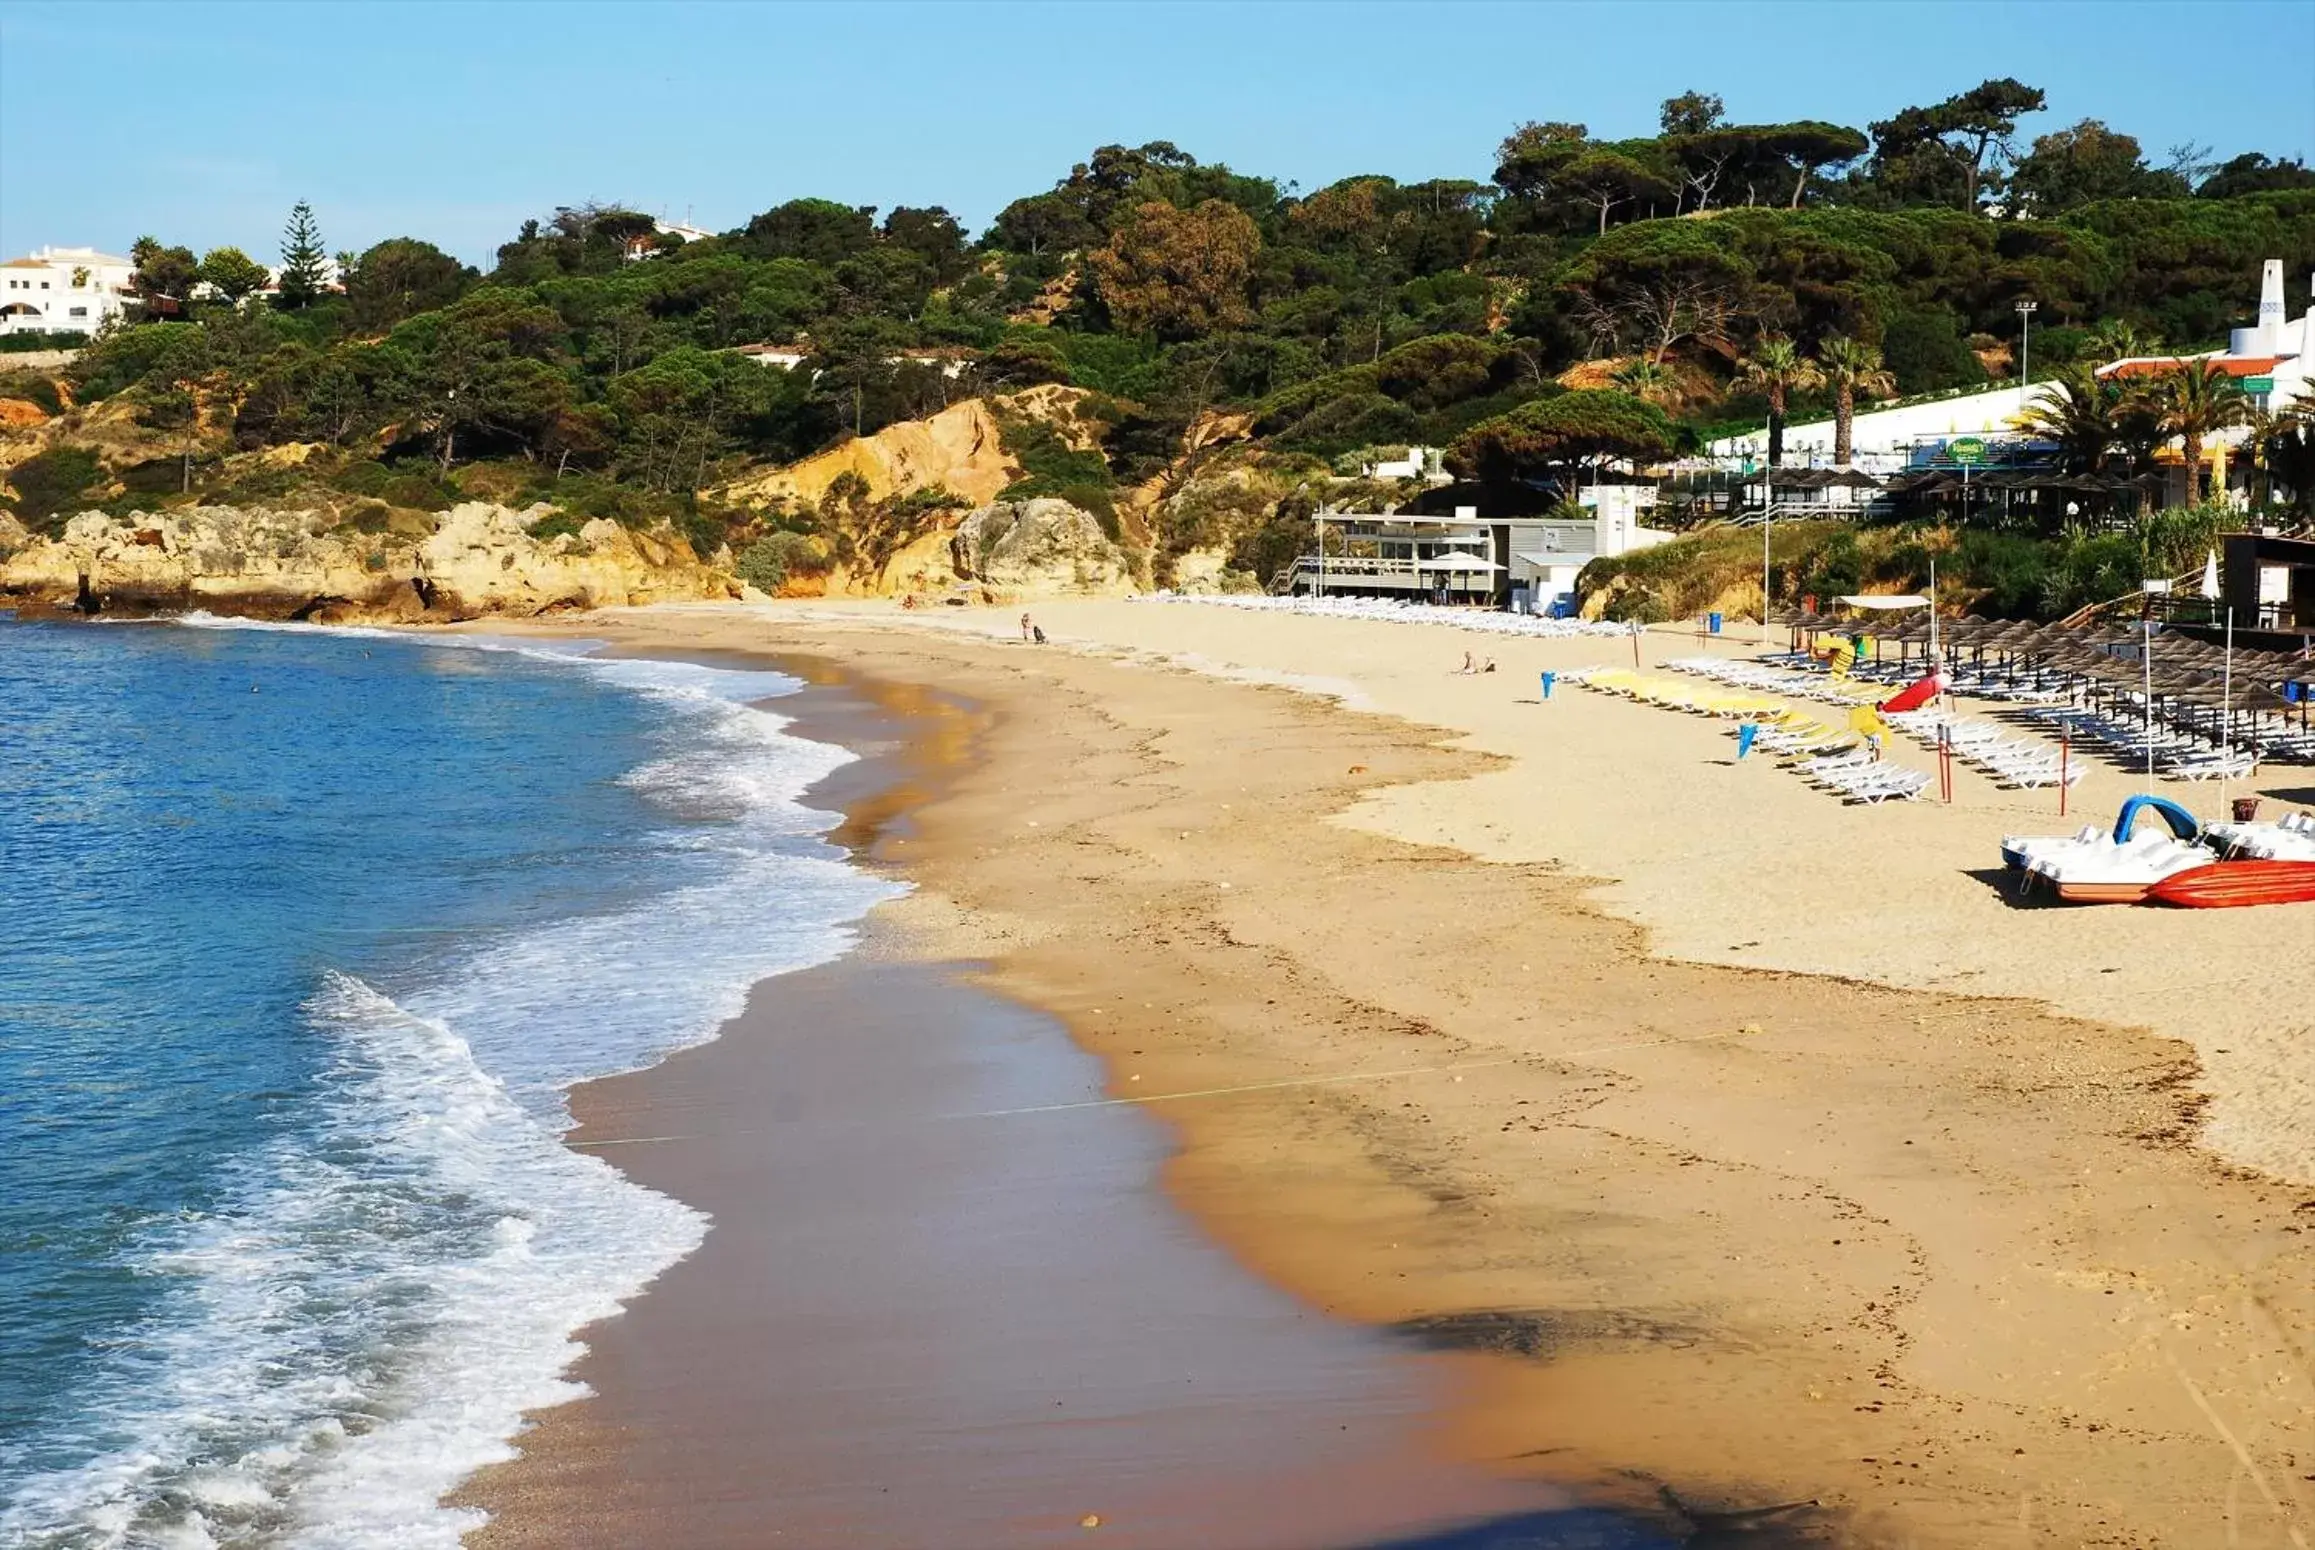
<point x="958" y="449"/>
<point x="1040" y="546"/>
<point x="479" y="559"/>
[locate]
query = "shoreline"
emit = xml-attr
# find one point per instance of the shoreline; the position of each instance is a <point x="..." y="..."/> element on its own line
<point x="1816" y="1254"/>
<point x="1339" y="1418"/>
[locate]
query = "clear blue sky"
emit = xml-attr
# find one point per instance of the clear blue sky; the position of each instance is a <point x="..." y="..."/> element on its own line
<point x="202" y="123"/>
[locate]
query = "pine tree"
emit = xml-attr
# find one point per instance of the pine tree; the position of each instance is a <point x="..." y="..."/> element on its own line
<point x="303" y="258"/>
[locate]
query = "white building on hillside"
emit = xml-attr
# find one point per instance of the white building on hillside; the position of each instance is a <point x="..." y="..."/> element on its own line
<point x="2271" y="359"/>
<point x="646" y="244"/>
<point x="1422" y="463"/>
<point x="1882" y="441"/>
<point x="950" y="361"/>
<point x="63" y="290"/>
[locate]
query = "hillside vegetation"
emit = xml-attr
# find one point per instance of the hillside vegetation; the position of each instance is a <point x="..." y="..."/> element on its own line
<point x="1213" y="324"/>
<point x="1998" y="574"/>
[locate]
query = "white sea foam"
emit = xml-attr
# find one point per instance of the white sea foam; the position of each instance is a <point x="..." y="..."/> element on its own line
<point x="387" y="1288"/>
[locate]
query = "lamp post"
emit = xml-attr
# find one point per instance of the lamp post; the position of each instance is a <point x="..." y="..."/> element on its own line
<point x="2025" y="349"/>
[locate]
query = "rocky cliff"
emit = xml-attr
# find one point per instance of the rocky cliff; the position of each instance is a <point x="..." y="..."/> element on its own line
<point x="1041" y="546"/>
<point x="478" y="559"/>
<point x="959" y="449"/>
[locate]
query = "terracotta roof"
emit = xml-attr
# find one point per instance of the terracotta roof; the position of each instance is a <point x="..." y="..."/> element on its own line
<point x="2163" y="365"/>
<point x="25" y="263"/>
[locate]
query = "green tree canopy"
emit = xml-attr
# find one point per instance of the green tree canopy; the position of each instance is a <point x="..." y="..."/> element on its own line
<point x="2253" y="173"/>
<point x="1552" y="436"/>
<point x="234" y="273"/>
<point x="164" y="276"/>
<point x="1178" y="273"/>
<point x="2088" y="161"/>
<point x="400" y="278"/>
<point x="304" y="260"/>
<point x="819" y="231"/>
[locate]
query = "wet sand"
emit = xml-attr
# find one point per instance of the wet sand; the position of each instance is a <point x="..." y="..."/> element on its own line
<point x="1781" y="1257"/>
<point x="944" y="1301"/>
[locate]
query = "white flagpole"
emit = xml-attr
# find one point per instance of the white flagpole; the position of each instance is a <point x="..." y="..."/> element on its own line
<point x="2146" y="656"/>
<point x="2227" y="711"/>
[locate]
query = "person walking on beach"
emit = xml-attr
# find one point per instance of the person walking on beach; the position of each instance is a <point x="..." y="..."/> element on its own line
<point x="1025" y="628"/>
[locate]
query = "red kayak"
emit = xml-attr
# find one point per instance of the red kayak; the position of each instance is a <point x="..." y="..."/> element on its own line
<point x="2227" y="884"/>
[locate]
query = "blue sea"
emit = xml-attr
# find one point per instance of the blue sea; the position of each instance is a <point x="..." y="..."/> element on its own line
<point x="307" y="933"/>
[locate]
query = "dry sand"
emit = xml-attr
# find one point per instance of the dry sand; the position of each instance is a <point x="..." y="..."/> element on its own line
<point x="1737" y="1153"/>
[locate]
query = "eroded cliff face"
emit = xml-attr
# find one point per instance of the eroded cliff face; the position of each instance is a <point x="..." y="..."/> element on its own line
<point x="960" y="449"/>
<point x="1041" y="547"/>
<point x="479" y="560"/>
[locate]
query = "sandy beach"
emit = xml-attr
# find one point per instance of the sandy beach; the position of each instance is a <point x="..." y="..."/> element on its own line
<point x="1792" y="1179"/>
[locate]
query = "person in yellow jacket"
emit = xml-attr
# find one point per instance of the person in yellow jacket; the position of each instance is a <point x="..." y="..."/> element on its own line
<point x="1864" y="719"/>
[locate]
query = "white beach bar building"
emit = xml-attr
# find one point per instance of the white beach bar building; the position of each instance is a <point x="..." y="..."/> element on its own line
<point x="1524" y="563"/>
<point x="63" y="291"/>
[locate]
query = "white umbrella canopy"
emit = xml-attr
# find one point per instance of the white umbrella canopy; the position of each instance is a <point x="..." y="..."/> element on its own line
<point x="2210" y="576"/>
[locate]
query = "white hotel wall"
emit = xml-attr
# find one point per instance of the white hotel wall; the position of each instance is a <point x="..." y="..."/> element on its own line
<point x="1886" y="436"/>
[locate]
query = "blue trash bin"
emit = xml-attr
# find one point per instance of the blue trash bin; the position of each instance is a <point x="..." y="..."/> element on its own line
<point x="1744" y="736"/>
<point x="1547" y="683"/>
<point x="1712" y="623"/>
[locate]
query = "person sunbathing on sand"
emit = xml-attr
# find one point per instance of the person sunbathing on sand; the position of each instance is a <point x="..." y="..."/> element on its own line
<point x="1468" y="666"/>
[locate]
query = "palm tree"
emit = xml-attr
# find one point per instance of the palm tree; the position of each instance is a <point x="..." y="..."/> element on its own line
<point x="2284" y="441"/>
<point x="1645" y="379"/>
<point x="1777" y="369"/>
<point x="2196" y="400"/>
<point x="2116" y="340"/>
<point x="2079" y="411"/>
<point x="1852" y="367"/>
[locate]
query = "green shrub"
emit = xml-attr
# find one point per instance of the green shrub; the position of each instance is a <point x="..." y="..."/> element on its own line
<point x="1124" y="365"/>
<point x="1046" y="460"/>
<point x="1285" y="535"/>
<point x="28" y="340"/>
<point x="372" y="517"/>
<point x="1353" y="420"/>
<point x="1835" y="570"/>
<point x="1211" y="514"/>
<point x="556" y="524"/>
<point x="2092" y="570"/>
<point x="2177" y="538"/>
<point x="420" y="491"/>
<point x="252" y="485"/>
<point x="365" y="478"/>
<point x="1050" y="466"/>
<point x="767" y="563"/>
<point x="155" y="476"/>
<point x="32" y="387"/>
<point x="706" y="532"/>
<point x="49" y="486"/>
<point x="1925" y="351"/>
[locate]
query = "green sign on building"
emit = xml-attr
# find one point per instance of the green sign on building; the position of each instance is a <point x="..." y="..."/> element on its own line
<point x="2258" y="384"/>
<point x="1968" y="451"/>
